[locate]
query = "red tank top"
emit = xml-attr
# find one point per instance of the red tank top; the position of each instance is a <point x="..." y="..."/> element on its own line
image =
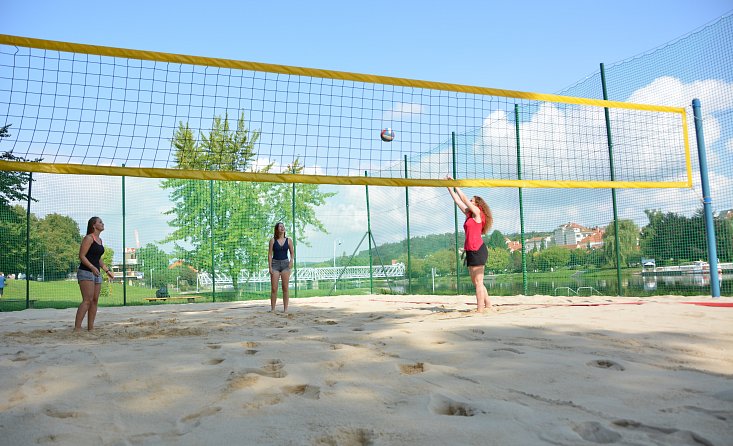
<point x="473" y="233"/>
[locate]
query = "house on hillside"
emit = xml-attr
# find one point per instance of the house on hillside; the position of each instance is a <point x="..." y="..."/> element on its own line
<point x="538" y="243"/>
<point x="573" y="236"/>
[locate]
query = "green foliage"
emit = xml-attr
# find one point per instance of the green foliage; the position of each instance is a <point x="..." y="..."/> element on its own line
<point x="628" y="237"/>
<point x="153" y="262"/>
<point x="12" y="239"/>
<point x="499" y="259"/>
<point x="552" y="258"/>
<point x="58" y="239"/>
<point x="12" y="184"/>
<point x="497" y="240"/>
<point x="239" y="216"/>
<point x="673" y="238"/>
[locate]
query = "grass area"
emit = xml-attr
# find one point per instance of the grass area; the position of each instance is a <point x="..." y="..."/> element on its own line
<point x="65" y="294"/>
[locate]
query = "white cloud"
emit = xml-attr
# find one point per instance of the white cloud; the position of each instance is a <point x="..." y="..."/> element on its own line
<point x="404" y="111"/>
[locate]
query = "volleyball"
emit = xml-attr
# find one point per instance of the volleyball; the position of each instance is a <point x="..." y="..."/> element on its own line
<point x="387" y="135"/>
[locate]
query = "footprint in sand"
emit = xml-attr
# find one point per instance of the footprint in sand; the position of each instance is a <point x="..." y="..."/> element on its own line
<point x="350" y="436"/>
<point x="606" y="364"/>
<point x="442" y="405"/>
<point x="62" y="414"/>
<point x="273" y="368"/>
<point x="304" y="390"/>
<point x="195" y="418"/>
<point x="664" y="435"/>
<point x="594" y="432"/>
<point x="214" y="361"/>
<point x="412" y="369"/>
<point x="214" y="346"/>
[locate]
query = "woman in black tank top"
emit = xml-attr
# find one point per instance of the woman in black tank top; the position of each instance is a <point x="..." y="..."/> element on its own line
<point x="279" y="264"/>
<point x="89" y="274"/>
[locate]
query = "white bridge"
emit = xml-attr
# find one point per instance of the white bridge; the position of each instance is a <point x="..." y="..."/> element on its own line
<point x="308" y="274"/>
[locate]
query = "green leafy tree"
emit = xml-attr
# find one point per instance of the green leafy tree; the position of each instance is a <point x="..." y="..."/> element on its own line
<point x="12" y="239"/>
<point x="552" y="258"/>
<point x="668" y="237"/>
<point x="153" y="262"/>
<point x="499" y="259"/>
<point x="58" y="238"/>
<point x="244" y="213"/>
<point x="628" y="238"/>
<point x="497" y="240"/>
<point x="12" y="184"/>
<point x="444" y="262"/>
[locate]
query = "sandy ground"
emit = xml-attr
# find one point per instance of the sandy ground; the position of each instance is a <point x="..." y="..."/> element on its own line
<point x="373" y="370"/>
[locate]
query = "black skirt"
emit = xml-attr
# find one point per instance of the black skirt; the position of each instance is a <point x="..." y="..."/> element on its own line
<point x="477" y="258"/>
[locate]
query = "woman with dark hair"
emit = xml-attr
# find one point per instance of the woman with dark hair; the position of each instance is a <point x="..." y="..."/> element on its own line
<point x="88" y="275"/>
<point x="279" y="263"/>
<point x="478" y="222"/>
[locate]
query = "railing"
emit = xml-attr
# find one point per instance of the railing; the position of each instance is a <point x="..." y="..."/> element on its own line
<point x="308" y="274"/>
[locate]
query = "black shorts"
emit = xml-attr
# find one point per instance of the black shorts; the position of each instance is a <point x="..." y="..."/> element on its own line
<point x="477" y="258"/>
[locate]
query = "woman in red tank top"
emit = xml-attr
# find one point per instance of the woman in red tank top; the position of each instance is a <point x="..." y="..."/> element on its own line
<point x="478" y="222"/>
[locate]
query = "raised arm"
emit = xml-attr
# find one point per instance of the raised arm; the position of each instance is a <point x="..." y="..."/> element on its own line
<point x="455" y="194"/>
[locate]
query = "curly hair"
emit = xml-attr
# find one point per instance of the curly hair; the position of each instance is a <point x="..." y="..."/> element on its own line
<point x="487" y="222"/>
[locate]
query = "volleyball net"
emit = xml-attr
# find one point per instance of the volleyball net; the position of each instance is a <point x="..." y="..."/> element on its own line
<point x="83" y="109"/>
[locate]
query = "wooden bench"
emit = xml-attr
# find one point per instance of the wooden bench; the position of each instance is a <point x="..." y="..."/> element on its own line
<point x="31" y="302"/>
<point x="190" y="299"/>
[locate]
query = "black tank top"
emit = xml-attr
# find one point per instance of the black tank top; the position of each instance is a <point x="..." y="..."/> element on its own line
<point x="280" y="252"/>
<point x="93" y="255"/>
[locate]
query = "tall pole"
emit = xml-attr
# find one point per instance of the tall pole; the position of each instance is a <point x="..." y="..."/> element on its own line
<point x="28" y="243"/>
<point x="211" y="223"/>
<point x="613" y="178"/>
<point x="407" y="211"/>
<point x="707" y="201"/>
<point x="521" y="202"/>
<point x="369" y="237"/>
<point x="455" y="214"/>
<point x="295" y="251"/>
<point x="124" y="244"/>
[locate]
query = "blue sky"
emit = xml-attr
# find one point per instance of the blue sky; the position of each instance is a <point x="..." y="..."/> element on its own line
<point x="537" y="46"/>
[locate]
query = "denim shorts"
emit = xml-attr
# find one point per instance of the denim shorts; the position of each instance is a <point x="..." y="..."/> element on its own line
<point x="281" y="266"/>
<point x="82" y="274"/>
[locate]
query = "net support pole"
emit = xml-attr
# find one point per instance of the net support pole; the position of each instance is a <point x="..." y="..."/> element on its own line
<point x="455" y="213"/>
<point x="211" y="223"/>
<point x="707" y="201"/>
<point x="124" y="249"/>
<point x="407" y="212"/>
<point x="369" y="237"/>
<point x="521" y="201"/>
<point x="295" y="251"/>
<point x="613" y="178"/>
<point x="28" y="243"/>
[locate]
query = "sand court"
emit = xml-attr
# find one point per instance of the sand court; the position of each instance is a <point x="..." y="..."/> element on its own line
<point x="373" y="370"/>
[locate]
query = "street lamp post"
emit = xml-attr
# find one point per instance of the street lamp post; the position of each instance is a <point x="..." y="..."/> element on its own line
<point x="334" y="251"/>
<point x="151" y="278"/>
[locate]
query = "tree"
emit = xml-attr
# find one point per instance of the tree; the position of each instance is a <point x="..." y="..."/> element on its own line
<point x="499" y="259"/>
<point x="12" y="184"/>
<point x="12" y="239"/>
<point x="497" y="240"/>
<point x="242" y="215"/>
<point x="552" y="258"/>
<point x="628" y="236"/>
<point x="668" y="237"/>
<point x="58" y="238"/>
<point x="154" y="263"/>
<point x="444" y="262"/>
